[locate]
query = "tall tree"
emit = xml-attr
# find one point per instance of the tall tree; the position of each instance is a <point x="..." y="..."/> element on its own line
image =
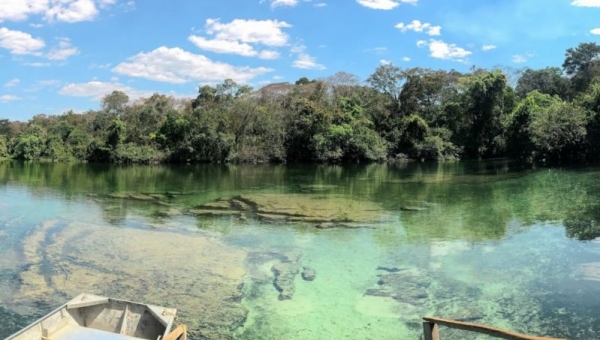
<point x="582" y="64"/>
<point x="548" y="80"/>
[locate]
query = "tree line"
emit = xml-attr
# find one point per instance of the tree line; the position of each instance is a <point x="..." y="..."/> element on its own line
<point x="549" y="115"/>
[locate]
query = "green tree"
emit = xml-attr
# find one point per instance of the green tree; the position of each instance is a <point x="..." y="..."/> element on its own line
<point x="519" y="139"/>
<point x="582" y="64"/>
<point x="548" y="80"/>
<point x="31" y="143"/>
<point x="116" y="133"/>
<point x="559" y="134"/>
<point x="484" y="101"/>
<point x="3" y="147"/>
<point x="115" y="103"/>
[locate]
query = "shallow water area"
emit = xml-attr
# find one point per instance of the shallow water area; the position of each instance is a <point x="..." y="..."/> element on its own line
<point x="307" y="252"/>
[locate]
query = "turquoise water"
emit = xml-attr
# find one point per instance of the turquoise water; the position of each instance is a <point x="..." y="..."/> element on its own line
<point x="472" y="241"/>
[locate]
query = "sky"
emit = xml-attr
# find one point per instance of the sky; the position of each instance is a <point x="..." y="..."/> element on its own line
<point x="60" y="55"/>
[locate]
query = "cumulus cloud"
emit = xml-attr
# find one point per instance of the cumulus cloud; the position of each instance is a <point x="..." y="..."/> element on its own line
<point x="223" y="46"/>
<point x="177" y="66"/>
<point x="52" y="10"/>
<point x="488" y="47"/>
<point x="63" y="51"/>
<point x="5" y="98"/>
<point x="18" y="42"/>
<point x="407" y="59"/>
<point x="268" y="54"/>
<point x="595" y="31"/>
<point x="442" y="50"/>
<point x="418" y="26"/>
<point x="384" y="4"/>
<point x="266" y="32"/>
<point x="241" y="37"/>
<point x="586" y="3"/>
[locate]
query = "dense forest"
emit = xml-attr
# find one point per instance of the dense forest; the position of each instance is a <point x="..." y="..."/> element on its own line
<point x="549" y="116"/>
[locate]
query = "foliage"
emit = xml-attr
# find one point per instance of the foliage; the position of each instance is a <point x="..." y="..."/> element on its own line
<point x="3" y="147"/>
<point x="416" y="113"/>
<point x="131" y="153"/>
<point x="548" y="80"/>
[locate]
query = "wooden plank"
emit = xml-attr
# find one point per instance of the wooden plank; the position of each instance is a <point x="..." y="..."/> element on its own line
<point x="124" y="320"/>
<point x="430" y="331"/>
<point x="179" y="333"/>
<point x="483" y="329"/>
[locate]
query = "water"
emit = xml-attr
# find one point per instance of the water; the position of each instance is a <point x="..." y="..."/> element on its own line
<point x="472" y="241"/>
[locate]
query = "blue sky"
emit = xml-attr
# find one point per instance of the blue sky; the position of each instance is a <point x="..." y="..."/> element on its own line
<point x="58" y="55"/>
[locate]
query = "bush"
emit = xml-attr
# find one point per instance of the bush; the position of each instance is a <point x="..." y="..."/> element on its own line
<point x="131" y="153"/>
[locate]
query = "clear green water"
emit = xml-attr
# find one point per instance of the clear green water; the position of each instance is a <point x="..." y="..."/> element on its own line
<point x="489" y="245"/>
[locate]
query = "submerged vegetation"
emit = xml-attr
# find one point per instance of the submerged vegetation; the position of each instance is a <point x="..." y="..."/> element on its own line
<point x="550" y="116"/>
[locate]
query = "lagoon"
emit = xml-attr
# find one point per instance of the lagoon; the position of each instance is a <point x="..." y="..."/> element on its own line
<point x="228" y="246"/>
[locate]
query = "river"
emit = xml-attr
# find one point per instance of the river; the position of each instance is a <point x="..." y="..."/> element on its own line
<point x="307" y="251"/>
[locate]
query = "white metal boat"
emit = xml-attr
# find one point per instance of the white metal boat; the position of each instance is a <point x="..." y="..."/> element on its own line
<point x="91" y="317"/>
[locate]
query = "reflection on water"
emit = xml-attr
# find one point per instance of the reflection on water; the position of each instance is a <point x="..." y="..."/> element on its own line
<point x="229" y="246"/>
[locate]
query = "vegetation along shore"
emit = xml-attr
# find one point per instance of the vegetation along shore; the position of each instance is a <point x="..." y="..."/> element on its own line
<point x="549" y="116"/>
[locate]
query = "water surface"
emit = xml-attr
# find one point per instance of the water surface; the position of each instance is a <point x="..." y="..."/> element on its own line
<point x="471" y="241"/>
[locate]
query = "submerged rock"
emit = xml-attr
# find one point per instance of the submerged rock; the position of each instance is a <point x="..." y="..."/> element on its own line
<point x="407" y="286"/>
<point x="389" y="269"/>
<point x="199" y="275"/>
<point x="308" y="274"/>
<point x="323" y="212"/>
<point x="285" y="273"/>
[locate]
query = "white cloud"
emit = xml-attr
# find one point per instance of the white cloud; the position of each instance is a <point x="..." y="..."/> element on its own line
<point x="519" y="58"/>
<point x="266" y="32"/>
<point x="18" y="42"/>
<point x="73" y="11"/>
<point x="5" y="98"/>
<point x="12" y="82"/>
<point x="385" y="62"/>
<point x="488" y="47"/>
<point x="441" y="50"/>
<point x="417" y="26"/>
<point x="586" y="3"/>
<point x="240" y="37"/>
<point x="63" y="51"/>
<point x="321" y="4"/>
<point x="59" y="10"/>
<point x="223" y="46"/>
<point x="306" y="62"/>
<point x="177" y="66"/>
<point x="595" y="31"/>
<point x="407" y="59"/>
<point x="268" y="55"/>
<point x="385" y="4"/>
<point x="98" y="89"/>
